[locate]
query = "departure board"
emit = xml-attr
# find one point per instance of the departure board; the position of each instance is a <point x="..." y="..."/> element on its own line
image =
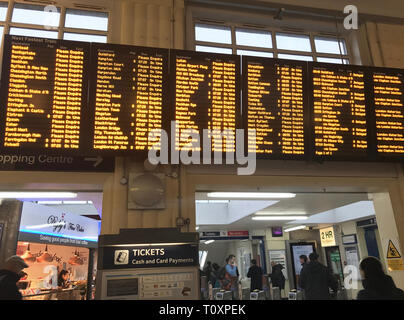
<point x="128" y="97"/>
<point x="274" y="105"/>
<point x="206" y="97"/>
<point x="339" y="113"/>
<point x="388" y="90"/>
<point x="43" y="94"/>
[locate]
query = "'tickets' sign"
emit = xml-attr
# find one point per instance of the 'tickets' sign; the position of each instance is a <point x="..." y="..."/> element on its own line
<point x="327" y="237"/>
<point x="150" y="256"/>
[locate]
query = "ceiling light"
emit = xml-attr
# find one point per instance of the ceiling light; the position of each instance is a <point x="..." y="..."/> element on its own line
<point x="36" y="195"/>
<point x="49" y="202"/>
<point x="279" y="218"/>
<point x="209" y="241"/>
<point x="75" y="202"/>
<point x="269" y="213"/>
<point x="251" y="195"/>
<point x="294" y="228"/>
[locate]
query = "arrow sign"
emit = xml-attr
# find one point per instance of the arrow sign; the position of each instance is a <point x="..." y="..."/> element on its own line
<point x="97" y="160"/>
<point x="44" y="162"/>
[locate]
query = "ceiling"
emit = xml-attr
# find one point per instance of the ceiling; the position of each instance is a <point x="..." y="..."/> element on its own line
<point x="304" y="203"/>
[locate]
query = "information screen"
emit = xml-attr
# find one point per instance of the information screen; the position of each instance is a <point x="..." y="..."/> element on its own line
<point x="128" y="95"/>
<point x="388" y="90"/>
<point x="206" y="96"/>
<point x="274" y="105"/>
<point x="339" y="114"/>
<point x="44" y="94"/>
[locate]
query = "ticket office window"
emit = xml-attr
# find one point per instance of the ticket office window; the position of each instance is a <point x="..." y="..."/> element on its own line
<point x="53" y="21"/>
<point x="269" y="42"/>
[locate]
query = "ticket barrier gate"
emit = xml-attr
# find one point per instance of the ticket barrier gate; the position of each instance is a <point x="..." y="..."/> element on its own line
<point x="245" y="294"/>
<point x="295" y="295"/>
<point x="257" y="295"/>
<point x="224" y="295"/>
<point x="342" y="294"/>
<point x="204" y="288"/>
<point x="276" y="293"/>
<point x="214" y="292"/>
<point x="266" y="287"/>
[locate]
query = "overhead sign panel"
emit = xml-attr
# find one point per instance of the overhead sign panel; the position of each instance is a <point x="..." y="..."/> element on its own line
<point x="128" y="97"/>
<point x="206" y="96"/>
<point x="44" y="94"/>
<point x="388" y="91"/>
<point x="339" y="115"/>
<point x="275" y="106"/>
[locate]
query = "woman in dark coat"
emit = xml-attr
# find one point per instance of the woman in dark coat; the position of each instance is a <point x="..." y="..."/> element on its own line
<point x="377" y="285"/>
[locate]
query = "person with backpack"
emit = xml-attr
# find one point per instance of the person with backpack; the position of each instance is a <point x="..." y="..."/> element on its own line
<point x="277" y="277"/>
<point x="376" y="284"/>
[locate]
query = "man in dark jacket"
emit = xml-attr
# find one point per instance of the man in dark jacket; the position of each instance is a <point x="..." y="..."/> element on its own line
<point x="315" y="279"/>
<point x="9" y="277"/>
<point x="255" y="273"/>
<point x="277" y="277"/>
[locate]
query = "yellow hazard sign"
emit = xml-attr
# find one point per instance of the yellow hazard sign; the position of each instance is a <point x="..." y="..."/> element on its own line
<point x="394" y="261"/>
<point x="392" y="251"/>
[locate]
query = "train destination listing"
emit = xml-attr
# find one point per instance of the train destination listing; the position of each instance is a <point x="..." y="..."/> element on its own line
<point x="339" y="111"/>
<point x="206" y="97"/>
<point x="46" y="93"/>
<point x="275" y="106"/>
<point x="388" y="89"/>
<point x="129" y="97"/>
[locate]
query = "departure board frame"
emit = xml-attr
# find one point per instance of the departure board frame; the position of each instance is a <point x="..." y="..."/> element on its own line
<point x="54" y="44"/>
<point x="125" y="50"/>
<point x="199" y="56"/>
<point x="368" y="154"/>
<point x="273" y="63"/>
<point x="376" y="156"/>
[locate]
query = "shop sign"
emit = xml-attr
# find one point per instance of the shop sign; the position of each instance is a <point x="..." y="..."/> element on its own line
<point x="50" y="225"/>
<point x="394" y="259"/>
<point x="47" y="162"/>
<point x="237" y="233"/>
<point x="327" y="237"/>
<point x="57" y="240"/>
<point x="118" y="257"/>
<point x="214" y="234"/>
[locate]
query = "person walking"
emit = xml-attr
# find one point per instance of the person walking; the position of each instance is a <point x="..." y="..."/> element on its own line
<point x="232" y="274"/>
<point x="376" y="284"/>
<point x="316" y="280"/>
<point x="277" y="277"/>
<point x="255" y="273"/>
<point x="9" y="276"/>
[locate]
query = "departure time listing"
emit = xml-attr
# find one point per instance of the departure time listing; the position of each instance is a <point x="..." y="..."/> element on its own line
<point x="275" y="107"/>
<point x="129" y="98"/>
<point x="45" y="93"/>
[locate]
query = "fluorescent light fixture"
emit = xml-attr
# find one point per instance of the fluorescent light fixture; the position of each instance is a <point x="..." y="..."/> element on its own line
<point x="269" y="213"/>
<point x="212" y="201"/>
<point x="36" y="195"/>
<point x="294" y="228"/>
<point x="49" y="202"/>
<point x="251" y="195"/>
<point x="209" y="241"/>
<point x="75" y="202"/>
<point x="279" y="218"/>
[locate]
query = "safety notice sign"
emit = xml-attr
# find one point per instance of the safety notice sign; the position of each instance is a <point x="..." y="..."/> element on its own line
<point x="394" y="259"/>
